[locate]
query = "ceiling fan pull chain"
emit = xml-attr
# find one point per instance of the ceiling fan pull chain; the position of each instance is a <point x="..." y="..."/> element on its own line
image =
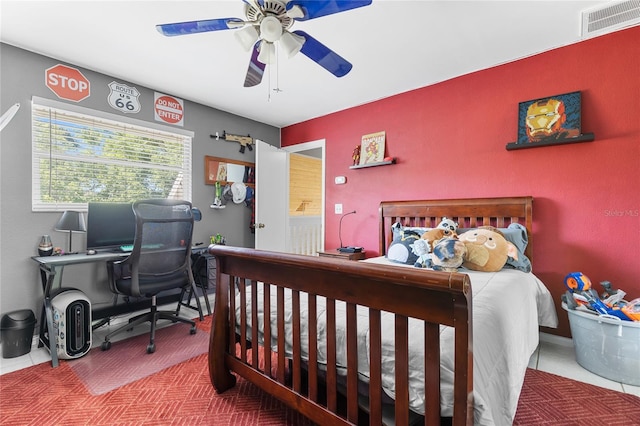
<point x="269" y="84"/>
<point x="277" y="88"/>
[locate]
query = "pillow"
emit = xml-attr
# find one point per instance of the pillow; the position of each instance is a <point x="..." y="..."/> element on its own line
<point x="400" y="249"/>
<point x="397" y="229"/>
<point x="516" y="234"/>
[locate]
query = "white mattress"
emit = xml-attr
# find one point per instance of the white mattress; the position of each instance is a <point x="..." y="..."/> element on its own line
<point x="508" y="308"/>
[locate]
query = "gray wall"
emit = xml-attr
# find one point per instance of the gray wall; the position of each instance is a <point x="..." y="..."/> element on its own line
<point x="22" y="75"/>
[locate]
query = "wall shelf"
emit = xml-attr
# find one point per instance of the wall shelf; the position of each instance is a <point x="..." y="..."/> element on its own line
<point x="235" y="171"/>
<point x="586" y="137"/>
<point x="381" y="163"/>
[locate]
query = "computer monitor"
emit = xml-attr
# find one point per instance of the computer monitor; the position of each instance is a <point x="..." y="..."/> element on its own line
<point x="110" y="225"/>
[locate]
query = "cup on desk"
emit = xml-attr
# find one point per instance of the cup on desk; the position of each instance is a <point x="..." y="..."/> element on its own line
<point x="45" y="248"/>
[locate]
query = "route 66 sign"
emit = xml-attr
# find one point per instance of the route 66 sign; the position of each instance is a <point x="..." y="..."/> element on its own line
<point x="124" y="98"/>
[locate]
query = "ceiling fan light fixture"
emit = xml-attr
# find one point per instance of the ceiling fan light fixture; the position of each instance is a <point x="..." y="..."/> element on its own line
<point x="267" y="53"/>
<point x="270" y="29"/>
<point x="291" y="43"/>
<point x="247" y="37"/>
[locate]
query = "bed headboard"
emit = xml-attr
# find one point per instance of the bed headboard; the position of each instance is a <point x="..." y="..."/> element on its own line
<point x="469" y="213"/>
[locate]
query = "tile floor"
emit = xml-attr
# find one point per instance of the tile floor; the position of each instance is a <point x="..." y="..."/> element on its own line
<point x="554" y="355"/>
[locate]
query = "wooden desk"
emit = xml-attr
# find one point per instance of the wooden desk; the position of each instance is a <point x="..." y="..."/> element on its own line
<point x="339" y="255"/>
<point x="51" y="269"/>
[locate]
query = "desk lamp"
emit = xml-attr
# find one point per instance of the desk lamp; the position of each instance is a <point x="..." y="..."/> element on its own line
<point x="342" y="248"/>
<point x="73" y="222"/>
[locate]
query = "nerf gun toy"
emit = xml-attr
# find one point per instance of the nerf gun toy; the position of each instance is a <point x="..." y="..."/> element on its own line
<point x="632" y="309"/>
<point x="580" y="293"/>
<point x="614" y="299"/>
<point x="244" y="141"/>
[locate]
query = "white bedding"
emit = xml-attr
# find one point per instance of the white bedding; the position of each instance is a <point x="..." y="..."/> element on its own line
<point x="508" y="307"/>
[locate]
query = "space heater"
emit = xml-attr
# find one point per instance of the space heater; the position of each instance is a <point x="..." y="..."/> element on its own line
<point x="71" y="322"/>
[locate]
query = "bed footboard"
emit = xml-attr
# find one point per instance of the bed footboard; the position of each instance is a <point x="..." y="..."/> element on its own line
<point x="284" y="356"/>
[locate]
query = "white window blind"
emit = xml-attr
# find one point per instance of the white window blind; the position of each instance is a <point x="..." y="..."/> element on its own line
<point x="80" y="155"/>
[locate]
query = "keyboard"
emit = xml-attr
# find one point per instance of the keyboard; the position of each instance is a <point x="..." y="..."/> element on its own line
<point x="127" y="248"/>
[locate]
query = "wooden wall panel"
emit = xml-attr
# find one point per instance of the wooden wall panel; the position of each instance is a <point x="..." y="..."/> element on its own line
<point x="305" y="186"/>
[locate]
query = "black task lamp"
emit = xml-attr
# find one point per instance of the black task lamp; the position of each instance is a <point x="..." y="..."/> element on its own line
<point x="73" y="222"/>
<point x="342" y="248"/>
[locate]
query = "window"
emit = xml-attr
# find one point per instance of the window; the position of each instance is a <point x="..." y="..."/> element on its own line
<point x="80" y="155"/>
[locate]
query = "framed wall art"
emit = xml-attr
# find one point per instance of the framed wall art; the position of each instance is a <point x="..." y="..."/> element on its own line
<point x="549" y="121"/>
<point x="372" y="148"/>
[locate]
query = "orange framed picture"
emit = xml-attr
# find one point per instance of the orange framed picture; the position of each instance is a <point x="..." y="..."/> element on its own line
<point x="372" y="148"/>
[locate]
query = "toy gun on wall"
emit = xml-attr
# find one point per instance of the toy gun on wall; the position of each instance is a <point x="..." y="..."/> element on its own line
<point x="244" y="141"/>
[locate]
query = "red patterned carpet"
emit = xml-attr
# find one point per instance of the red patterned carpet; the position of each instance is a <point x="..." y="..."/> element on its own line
<point x="547" y="399"/>
<point x="182" y="395"/>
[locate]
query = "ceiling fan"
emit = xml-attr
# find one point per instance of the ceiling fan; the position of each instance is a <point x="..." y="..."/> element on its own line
<point x="268" y="22"/>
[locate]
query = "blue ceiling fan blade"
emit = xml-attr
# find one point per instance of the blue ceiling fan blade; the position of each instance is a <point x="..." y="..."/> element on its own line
<point x="255" y="70"/>
<point x="323" y="56"/>
<point x="316" y="8"/>
<point x="194" y="27"/>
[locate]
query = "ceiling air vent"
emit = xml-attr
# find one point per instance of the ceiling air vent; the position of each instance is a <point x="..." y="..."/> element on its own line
<point x="610" y="17"/>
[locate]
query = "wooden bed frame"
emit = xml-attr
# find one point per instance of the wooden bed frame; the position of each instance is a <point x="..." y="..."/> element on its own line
<point x="434" y="297"/>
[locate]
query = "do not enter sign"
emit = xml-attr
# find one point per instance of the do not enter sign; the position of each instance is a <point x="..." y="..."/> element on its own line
<point x="168" y="109"/>
<point x="67" y="83"/>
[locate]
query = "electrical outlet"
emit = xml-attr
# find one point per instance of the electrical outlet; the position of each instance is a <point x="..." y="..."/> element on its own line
<point x="338" y="208"/>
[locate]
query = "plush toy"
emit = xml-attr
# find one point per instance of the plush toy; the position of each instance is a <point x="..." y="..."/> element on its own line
<point x="447" y="223"/>
<point x="448" y="255"/>
<point x="421" y="248"/>
<point x="400" y="248"/>
<point x="434" y="235"/>
<point x="486" y="249"/>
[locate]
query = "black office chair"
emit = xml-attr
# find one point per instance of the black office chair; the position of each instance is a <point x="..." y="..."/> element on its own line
<point x="200" y="270"/>
<point x="160" y="261"/>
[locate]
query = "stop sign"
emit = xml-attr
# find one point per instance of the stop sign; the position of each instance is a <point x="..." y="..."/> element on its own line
<point x="67" y="83"/>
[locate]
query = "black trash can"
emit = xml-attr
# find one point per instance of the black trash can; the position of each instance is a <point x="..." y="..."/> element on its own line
<point x="17" y="332"/>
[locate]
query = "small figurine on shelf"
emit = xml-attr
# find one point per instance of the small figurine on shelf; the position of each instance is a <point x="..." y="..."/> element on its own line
<point x="356" y="155"/>
<point x="217" y="239"/>
<point x="217" y="201"/>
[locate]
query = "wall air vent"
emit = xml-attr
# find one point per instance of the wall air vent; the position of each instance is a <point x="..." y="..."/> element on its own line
<point x="610" y="17"/>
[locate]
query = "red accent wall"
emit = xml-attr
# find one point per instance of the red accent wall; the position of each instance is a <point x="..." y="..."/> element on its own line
<point x="449" y="139"/>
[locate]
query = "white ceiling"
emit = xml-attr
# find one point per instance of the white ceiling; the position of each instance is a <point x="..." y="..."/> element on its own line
<point x="394" y="46"/>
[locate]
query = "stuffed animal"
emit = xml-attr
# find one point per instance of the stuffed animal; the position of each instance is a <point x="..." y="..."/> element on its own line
<point x="434" y="235"/>
<point x="486" y="249"/>
<point x="448" y="255"/>
<point x="400" y="248"/>
<point x="447" y="223"/>
<point x="421" y="248"/>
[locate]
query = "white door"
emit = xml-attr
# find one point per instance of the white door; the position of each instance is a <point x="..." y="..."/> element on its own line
<point x="272" y="197"/>
<point x="272" y="193"/>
